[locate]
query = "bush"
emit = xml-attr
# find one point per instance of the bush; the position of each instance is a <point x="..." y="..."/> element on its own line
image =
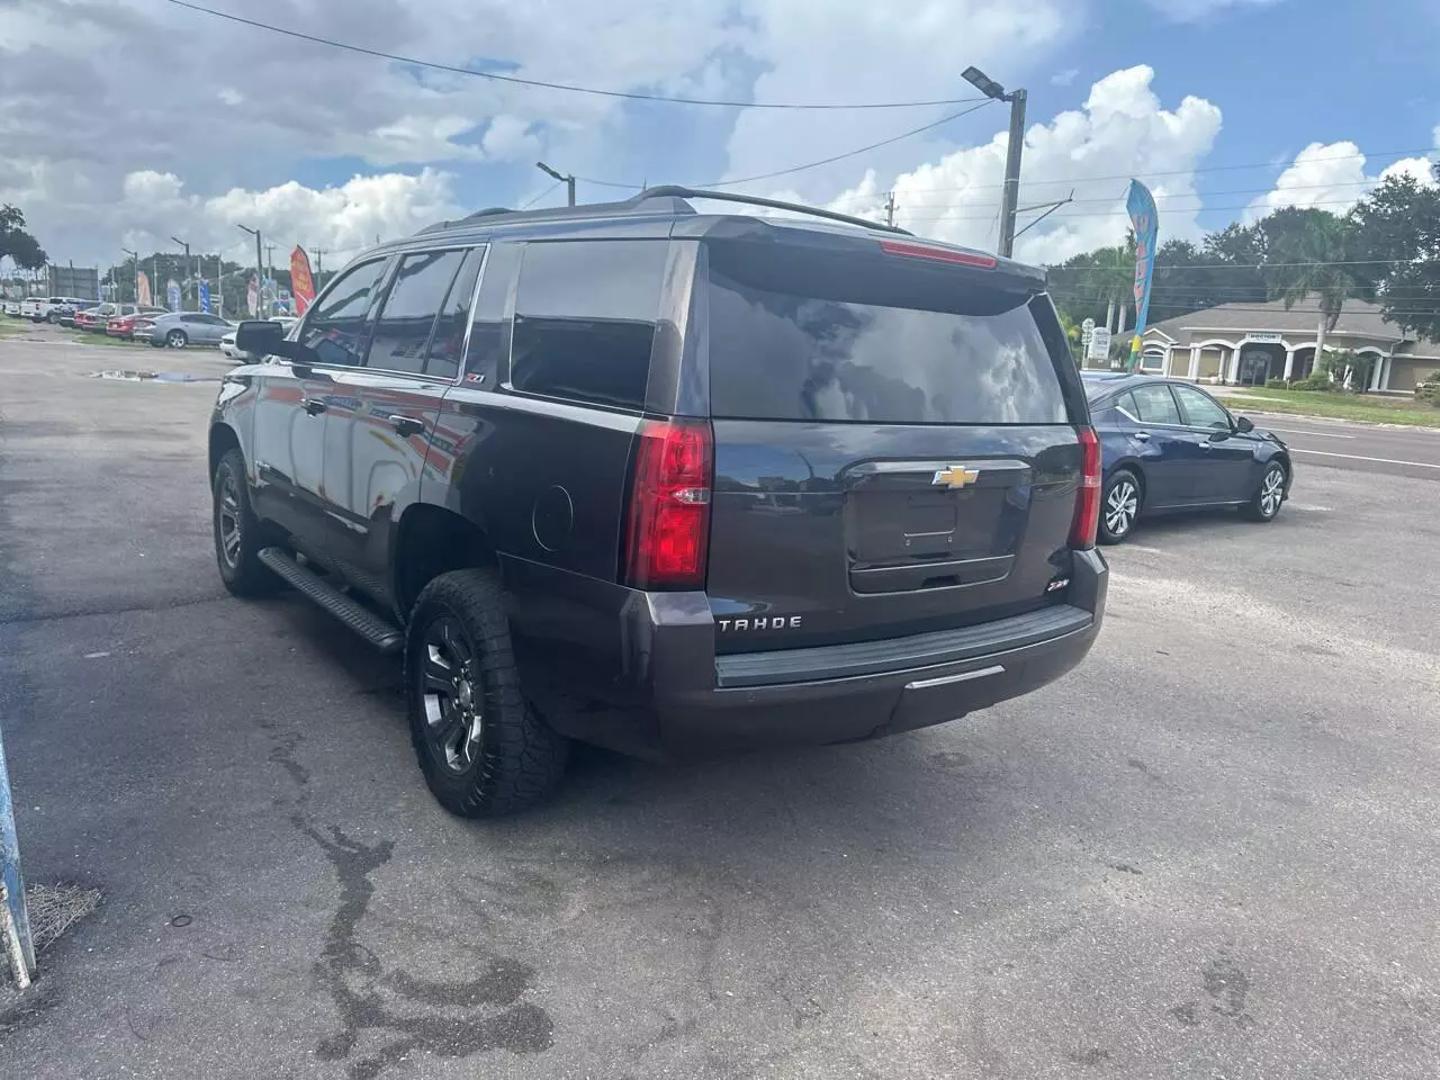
<point x="1276" y="384"/>
<point x="1314" y="381"/>
<point x="1429" y="390"/>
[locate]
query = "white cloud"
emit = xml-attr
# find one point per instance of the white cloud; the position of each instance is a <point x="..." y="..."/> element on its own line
<point x="1065" y="78"/>
<point x="510" y="138"/>
<point x="1330" y="176"/>
<point x="1122" y="131"/>
<point x="342" y="219"/>
<point x="1193" y="10"/>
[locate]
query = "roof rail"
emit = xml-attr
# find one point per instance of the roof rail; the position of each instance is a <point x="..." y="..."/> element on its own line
<point x="675" y="191"/>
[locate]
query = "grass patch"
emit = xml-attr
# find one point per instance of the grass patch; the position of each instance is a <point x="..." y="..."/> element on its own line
<point x="1368" y="408"/>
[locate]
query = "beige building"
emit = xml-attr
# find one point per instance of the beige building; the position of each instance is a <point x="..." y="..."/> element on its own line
<point x="1248" y="343"/>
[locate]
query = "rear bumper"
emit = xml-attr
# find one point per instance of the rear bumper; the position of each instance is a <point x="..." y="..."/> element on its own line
<point x="638" y="671"/>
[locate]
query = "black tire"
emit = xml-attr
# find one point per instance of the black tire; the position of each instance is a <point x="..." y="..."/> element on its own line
<point x="1120" y="502"/>
<point x="482" y="749"/>
<point x="177" y="339"/>
<point x="237" y="551"/>
<point x="1269" y="494"/>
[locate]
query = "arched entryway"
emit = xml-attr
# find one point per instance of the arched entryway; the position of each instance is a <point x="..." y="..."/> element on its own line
<point x="1304" y="363"/>
<point x="1260" y="362"/>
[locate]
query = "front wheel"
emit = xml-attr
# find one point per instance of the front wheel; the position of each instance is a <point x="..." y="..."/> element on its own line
<point x="483" y="751"/>
<point x="238" y="538"/>
<point x="1269" y="495"/>
<point x="1119" y="507"/>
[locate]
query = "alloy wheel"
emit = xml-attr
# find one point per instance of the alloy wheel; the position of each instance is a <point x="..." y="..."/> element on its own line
<point x="1121" y="505"/>
<point x="452" y="695"/>
<point x="1272" y="491"/>
<point x="230" y="535"/>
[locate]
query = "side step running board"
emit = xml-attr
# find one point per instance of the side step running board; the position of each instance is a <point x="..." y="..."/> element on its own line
<point x="362" y="620"/>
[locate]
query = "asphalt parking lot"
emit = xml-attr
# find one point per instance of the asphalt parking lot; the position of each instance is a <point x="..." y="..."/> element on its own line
<point x="1211" y="851"/>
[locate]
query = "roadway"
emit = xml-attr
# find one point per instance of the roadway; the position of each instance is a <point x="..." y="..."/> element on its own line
<point x="1398" y="451"/>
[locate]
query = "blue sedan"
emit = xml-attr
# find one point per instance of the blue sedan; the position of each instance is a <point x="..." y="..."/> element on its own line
<point x="1167" y="445"/>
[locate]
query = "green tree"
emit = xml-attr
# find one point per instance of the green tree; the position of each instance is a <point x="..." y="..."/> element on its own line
<point x="1309" y="257"/>
<point x="1398" y="229"/>
<point x="18" y="244"/>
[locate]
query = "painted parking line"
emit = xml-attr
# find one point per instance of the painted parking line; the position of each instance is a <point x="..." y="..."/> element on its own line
<point x="1320" y="434"/>
<point x="1361" y="457"/>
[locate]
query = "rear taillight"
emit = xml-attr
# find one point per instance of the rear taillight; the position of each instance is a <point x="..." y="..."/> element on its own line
<point x="1087" y="497"/>
<point x="669" y="524"/>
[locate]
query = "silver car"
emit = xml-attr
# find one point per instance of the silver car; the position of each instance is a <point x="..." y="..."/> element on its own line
<point x="180" y="328"/>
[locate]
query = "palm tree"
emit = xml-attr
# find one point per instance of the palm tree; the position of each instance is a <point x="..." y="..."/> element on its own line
<point x="1305" y="255"/>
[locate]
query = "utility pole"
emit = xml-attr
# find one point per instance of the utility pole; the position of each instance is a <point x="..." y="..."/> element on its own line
<point x="186" y="246"/>
<point x="567" y="179"/>
<point x="1011" y="197"/>
<point x="220" y="285"/>
<point x="270" y="274"/>
<point x="135" y="255"/>
<point x="259" y="267"/>
<point x="890" y="208"/>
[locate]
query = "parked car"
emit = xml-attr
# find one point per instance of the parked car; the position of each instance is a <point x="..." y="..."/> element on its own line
<point x="49" y="308"/>
<point x="12" y="308"/>
<point x="668" y="482"/>
<point x="30" y="305"/>
<point x="99" y="318"/>
<point x="125" y="324"/>
<point x="63" y="311"/>
<point x="1167" y="445"/>
<point x="178" y="329"/>
<point x="231" y="350"/>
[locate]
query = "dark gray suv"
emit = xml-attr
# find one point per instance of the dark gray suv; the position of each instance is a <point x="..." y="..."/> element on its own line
<point x="670" y="482"/>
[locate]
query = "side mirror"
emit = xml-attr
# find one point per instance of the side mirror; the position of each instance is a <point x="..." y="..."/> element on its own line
<point x="1244" y="424"/>
<point x="261" y="337"/>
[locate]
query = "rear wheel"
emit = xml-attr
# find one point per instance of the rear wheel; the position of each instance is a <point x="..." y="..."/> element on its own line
<point x="1269" y="495"/>
<point x="483" y="751"/>
<point x="1119" y="507"/>
<point x="176" y="339"/>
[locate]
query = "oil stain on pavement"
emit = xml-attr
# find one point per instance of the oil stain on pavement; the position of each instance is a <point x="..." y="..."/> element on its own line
<point x="367" y="996"/>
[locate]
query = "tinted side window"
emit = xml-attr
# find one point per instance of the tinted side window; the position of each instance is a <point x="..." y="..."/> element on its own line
<point x="406" y="317"/>
<point x="1125" y="405"/>
<point x="1155" y="405"/>
<point x="585" y="320"/>
<point x="490" y="331"/>
<point x="337" y="328"/>
<point x="1200" y="411"/>
<point x="443" y="357"/>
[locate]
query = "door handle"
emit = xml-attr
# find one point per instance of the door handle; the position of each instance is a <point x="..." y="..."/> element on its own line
<point x="1207" y="445"/>
<point x="313" y="406"/>
<point x="1141" y="436"/>
<point x="407" y="425"/>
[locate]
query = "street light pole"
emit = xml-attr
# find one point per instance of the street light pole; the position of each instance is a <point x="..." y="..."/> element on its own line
<point x="1011" y="196"/>
<point x="567" y="179"/>
<point x="259" y="266"/>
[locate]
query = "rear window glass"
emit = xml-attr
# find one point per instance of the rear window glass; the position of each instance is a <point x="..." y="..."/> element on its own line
<point x="585" y="320"/>
<point x="811" y="336"/>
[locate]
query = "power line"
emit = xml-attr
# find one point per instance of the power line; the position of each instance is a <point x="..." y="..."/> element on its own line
<point x="1202" y="195"/>
<point x="1187" y="172"/>
<point x="567" y="87"/>
<point x="847" y="154"/>
<point x="809" y="164"/>
<point x="542" y="195"/>
<point x="1122" y="213"/>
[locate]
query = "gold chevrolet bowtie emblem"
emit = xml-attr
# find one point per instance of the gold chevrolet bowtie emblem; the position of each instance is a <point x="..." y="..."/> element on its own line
<point x="955" y="476"/>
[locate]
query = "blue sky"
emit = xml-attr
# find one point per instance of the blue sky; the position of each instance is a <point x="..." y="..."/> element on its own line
<point x="327" y="148"/>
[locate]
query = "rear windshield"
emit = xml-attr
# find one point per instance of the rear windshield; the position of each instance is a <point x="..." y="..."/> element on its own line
<point x="814" y="336"/>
